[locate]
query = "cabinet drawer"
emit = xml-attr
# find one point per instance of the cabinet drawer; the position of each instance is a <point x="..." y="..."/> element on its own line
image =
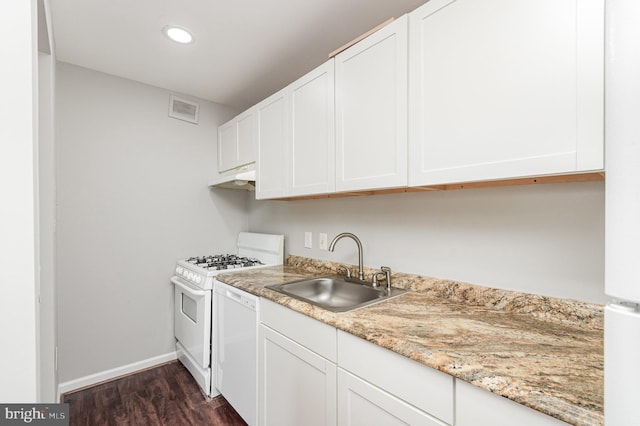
<point x="310" y="333"/>
<point x="479" y="407"/>
<point x="425" y="388"/>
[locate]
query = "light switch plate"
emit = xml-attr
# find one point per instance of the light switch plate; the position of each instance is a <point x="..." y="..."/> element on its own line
<point x="322" y="241"/>
<point x="308" y="240"/>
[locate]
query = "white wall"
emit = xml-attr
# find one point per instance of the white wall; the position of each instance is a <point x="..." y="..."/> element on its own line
<point x="132" y="199"/>
<point x="18" y="186"/>
<point x="545" y="239"/>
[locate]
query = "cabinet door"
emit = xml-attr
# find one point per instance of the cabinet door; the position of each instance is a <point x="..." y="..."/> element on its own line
<point x="247" y="138"/>
<point x="297" y="386"/>
<point x="371" y="111"/>
<point x="272" y="167"/>
<point x="505" y="88"/>
<point x="237" y="141"/>
<point x="431" y="391"/>
<point x="362" y="404"/>
<point x="313" y="134"/>
<point x="227" y="146"/>
<point x="479" y="407"/>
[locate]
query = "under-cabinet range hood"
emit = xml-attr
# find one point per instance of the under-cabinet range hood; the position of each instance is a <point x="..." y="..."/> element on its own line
<point x="243" y="177"/>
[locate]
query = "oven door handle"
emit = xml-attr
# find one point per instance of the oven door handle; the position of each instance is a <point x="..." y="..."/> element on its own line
<point x="197" y="293"/>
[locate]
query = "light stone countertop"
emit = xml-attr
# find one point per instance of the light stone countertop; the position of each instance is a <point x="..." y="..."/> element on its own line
<point x="542" y="352"/>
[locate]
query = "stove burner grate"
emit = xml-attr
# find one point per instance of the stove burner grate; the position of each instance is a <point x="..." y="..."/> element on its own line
<point x="224" y="261"/>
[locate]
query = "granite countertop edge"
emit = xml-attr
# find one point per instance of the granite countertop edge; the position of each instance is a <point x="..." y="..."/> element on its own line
<point x="542" y="352"/>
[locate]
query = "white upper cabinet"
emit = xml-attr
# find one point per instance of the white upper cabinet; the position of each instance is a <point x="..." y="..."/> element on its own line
<point x="227" y="146"/>
<point x="312" y="147"/>
<point x="296" y="138"/>
<point x="456" y="91"/>
<point x="371" y="111"/>
<point x="505" y="88"/>
<point x="273" y="138"/>
<point x="237" y="141"/>
<point x="247" y="140"/>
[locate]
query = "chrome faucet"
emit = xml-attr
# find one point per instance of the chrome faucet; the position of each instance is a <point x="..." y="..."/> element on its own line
<point x="357" y="240"/>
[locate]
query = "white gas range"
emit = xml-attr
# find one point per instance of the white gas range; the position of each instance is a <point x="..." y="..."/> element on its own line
<point x="194" y="281"/>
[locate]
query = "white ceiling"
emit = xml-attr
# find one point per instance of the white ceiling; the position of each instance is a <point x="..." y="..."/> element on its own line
<point x="244" y="50"/>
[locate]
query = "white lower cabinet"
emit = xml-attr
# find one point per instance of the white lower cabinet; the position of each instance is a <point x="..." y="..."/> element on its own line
<point x="312" y="374"/>
<point x="300" y="382"/>
<point x="297" y="385"/>
<point x="479" y="407"/>
<point x="428" y="391"/>
<point x="362" y="404"/>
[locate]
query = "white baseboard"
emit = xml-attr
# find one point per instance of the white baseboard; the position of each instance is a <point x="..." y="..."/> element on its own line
<point x="113" y="373"/>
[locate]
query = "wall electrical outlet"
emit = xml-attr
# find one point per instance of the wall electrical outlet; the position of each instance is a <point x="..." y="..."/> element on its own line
<point x="322" y="241"/>
<point x="308" y="240"/>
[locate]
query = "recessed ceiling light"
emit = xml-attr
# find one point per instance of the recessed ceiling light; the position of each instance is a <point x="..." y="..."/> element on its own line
<point x="178" y="34"/>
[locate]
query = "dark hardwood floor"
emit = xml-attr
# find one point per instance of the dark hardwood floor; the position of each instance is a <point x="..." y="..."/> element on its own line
<point x="163" y="395"/>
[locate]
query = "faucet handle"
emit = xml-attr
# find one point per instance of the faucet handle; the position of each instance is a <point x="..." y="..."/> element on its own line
<point x="374" y="279"/>
<point x="346" y="268"/>
<point x="387" y="273"/>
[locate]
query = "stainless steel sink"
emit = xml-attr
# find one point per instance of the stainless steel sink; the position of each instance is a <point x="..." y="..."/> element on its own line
<point x="335" y="294"/>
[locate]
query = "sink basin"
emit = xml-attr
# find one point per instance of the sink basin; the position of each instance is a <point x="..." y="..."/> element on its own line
<point x="335" y="294"/>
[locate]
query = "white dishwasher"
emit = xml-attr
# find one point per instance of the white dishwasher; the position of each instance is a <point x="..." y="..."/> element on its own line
<point x="236" y="352"/>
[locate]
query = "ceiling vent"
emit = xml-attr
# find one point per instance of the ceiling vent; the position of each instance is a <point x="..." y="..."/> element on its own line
<point x="183" y="109"/>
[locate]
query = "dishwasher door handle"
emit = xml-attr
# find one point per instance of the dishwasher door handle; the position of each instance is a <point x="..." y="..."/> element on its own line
<point x="233" y="295"/>
<point x="237" y="295"/>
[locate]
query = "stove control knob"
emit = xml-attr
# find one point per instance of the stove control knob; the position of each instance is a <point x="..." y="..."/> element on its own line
<point x="198" y="279"/>
<point x="179" y="270"/>
<point x="185" y="273"/>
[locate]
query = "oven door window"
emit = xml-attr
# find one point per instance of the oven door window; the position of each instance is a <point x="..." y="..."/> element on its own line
<point x="190" y="307"/>
<point x="192" y="320"/>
